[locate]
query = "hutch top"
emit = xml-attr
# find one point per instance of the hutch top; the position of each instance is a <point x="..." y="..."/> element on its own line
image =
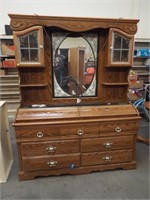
<point x="73" y="61"/>
<point x="75" y="116"/>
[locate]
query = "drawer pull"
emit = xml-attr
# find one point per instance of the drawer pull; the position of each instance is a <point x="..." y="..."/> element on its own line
<point x="39" y="134"/>
<point x="118" y="129"/>
<point x="51" y="149"/>
<point x="108" y="144"/>
<point x="52" y="163"/>
<point x="80" y="132"/>
<point x="107" y="158"/>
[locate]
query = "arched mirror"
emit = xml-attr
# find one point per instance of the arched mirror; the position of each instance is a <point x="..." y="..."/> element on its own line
<point x="74" y="64"/>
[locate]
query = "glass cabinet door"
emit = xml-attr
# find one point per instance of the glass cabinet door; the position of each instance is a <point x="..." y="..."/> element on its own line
<point x="29" y="45"/>
<point x="121" y="48"/>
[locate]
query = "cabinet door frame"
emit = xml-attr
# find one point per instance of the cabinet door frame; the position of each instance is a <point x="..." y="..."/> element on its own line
<point x="110" y="49"/>
<point x="40" y="41"/>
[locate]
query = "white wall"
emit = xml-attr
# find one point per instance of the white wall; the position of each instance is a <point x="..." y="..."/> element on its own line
<point x="138" y="9"/>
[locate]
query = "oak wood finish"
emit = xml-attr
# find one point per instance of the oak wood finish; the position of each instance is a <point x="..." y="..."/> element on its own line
<point x="78" y="24"/>
<point x="82" y="143"/>
<point x="65" y="137"/>
<point x="38" y="82"/>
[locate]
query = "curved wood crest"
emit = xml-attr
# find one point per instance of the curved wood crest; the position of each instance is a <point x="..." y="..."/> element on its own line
<point x="21" y="22"/>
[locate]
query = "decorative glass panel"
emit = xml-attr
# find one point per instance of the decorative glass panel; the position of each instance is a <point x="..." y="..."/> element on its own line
<point x="117" y="41"/>
<point x="116" y="55"/>
<point x="124" y="56"/>
<point x="24" y="55"/>
<point x="120" y="48"/>
<point x="126" y="43"/>
<point x="29" y="47"/>
<point x="74" y="64"/>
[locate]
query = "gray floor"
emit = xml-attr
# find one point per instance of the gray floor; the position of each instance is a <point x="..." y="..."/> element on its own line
<point x="115" y="184"/>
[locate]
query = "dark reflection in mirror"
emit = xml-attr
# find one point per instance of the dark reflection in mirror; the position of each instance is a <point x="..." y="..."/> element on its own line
<point x="74" y="64"/>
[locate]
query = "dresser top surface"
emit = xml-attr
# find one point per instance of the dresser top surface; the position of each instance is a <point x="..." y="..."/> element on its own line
<point x="75" y="113"/>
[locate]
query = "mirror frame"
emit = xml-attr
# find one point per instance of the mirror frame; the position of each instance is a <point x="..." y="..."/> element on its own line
<point x="76" y="75"/>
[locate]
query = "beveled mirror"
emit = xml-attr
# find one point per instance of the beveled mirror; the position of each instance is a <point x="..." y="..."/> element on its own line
<point x="74" y="64"/>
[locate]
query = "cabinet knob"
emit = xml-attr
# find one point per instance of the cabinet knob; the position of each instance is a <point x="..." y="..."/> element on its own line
<point x="80" y="132"/>
<point x="39" y="134"/>
<point x="51" y="149"/>
<point x="52" y="163"/>
<point x="107" y="158"/>
<point x="108" y="144"/>
<point x="118" y="129"/>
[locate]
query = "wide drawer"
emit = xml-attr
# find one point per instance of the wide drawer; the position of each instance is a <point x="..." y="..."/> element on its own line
<point x="107" y="157"/>
<point x="58" y="132"/>
<point x="50" y="148"/>
<point x="118" y="128"/>
<point x="107" y="143"/>
<point x="50" y="162"/>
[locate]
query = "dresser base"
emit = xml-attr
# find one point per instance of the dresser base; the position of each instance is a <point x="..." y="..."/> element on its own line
<point x="76" y="171"/>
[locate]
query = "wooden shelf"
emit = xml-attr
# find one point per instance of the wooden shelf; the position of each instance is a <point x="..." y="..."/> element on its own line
<point x="33" y="85"/>
<point x="6" y="37"/>
<point x="143" y="73"/>
<point x="113" y="84"/>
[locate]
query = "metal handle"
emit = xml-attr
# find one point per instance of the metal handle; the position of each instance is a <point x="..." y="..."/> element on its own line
<point x="80" y="132"/>
<point x="107" y="158"/>
<point x="118" y="129"/>
<point x="51" y="149"/>
<point x="52" y="163"/>
<point x="39" y="134"/>
<point x="108" y="144"/>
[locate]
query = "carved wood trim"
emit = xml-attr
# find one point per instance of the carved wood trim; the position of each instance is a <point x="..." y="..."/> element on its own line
<point x="21" y="22"/>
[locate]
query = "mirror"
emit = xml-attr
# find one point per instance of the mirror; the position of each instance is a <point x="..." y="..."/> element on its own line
<point x="74" y="64"/>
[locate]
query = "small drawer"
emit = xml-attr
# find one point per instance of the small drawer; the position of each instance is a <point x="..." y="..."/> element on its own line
<point x="80" y="130"/>
<point x="118" y="128"/>
<point x="37" y="132"/>
<point x="49" y="148"/>
<point x="51" y="162"/>
<point x="107" y="143"/>
<point x="71" y="131"/>
<point x="108" y="157"/>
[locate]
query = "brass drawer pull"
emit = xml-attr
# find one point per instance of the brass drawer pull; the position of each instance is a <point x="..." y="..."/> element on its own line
<point x="107" y="158"/>
<point x="51" y="149"/>
<point x="80" y="132"/>
<point x="118" y="129"/>
<point x="108" y="144"/>
<point x="52" y="163"/>
<point x="39" y="134"/>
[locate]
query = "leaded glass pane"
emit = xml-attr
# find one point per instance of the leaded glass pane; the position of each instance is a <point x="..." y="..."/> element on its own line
<point x="33" y="39"/>
<point x="24" y="55"/>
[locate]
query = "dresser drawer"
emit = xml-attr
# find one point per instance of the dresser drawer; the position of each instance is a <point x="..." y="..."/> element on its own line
<point x="118" y="128"/>
<point x="50" y="162"/>
<point x="107" y="157"/>
<point x="50" y="148"/>
<point x="107" y="143"/>
<point x="58" y="132"/>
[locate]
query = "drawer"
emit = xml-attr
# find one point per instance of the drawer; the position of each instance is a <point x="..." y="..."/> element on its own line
<point x="118" y="128"/>
<point x="58" y="132"/>
<point x="107" y="143"/>
<point x="50" y="162"/>
<point x="50" y="148"/>
<point x="107" y="157"/>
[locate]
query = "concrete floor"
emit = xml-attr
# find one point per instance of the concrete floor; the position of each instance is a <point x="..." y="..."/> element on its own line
<point x="115" y="184"/>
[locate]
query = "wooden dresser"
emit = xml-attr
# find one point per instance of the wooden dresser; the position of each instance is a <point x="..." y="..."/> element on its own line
<point x="75" y="140"/>
<point x="66" y="125"/>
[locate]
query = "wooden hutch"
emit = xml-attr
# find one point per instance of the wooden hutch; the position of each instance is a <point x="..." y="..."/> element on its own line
<point x="66" y="125"/>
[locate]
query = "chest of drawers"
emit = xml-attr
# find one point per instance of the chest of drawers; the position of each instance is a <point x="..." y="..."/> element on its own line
<point x="75" y="140"/>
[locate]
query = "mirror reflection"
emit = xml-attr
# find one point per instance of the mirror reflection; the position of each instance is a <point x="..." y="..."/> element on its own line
<point x="74" y="66"/>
